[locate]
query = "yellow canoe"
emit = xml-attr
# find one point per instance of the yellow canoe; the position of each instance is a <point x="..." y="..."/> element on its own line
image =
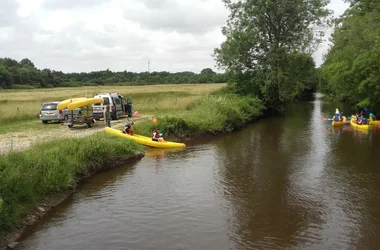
<point x="374" y="123"/>
<point x="65" y="103"/>
<point x="338" y="124"/>
<point x="143" y="140"/>
<point x="87" y="101"/>
<point x="364" y="127"/>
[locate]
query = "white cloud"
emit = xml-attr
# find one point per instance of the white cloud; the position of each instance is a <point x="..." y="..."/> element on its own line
<point x="86" y="35"/>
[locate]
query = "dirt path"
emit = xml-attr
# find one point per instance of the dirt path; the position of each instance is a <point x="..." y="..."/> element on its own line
<point x="17" y="141"/>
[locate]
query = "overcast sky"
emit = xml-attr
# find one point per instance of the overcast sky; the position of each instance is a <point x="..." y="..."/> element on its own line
<point x="87" y="35"/>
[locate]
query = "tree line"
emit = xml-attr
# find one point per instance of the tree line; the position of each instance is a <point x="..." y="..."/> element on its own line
<point x="351" y="70"/>
<point x="24" y="74"/>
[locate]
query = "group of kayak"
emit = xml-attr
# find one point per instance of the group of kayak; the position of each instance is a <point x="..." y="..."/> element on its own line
<point x="359" y="120"/>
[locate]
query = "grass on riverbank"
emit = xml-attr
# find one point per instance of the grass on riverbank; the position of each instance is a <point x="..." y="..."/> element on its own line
<point x="21" y="105"/>
<point x="51" y="167"/>
<point x="212" y="114"/>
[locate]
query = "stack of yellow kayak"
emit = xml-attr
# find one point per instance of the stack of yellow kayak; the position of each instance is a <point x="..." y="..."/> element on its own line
<point x="143" y="140"/>
<point x="74" y="103"/>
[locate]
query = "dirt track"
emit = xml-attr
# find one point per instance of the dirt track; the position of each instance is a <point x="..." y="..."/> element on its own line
<point x="16" y="141"/>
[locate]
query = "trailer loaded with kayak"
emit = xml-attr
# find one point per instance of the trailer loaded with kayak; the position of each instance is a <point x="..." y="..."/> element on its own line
<point x="75" y="103"/>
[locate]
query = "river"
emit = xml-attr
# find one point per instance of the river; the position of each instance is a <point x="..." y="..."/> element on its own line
<point x="281" y="183"/>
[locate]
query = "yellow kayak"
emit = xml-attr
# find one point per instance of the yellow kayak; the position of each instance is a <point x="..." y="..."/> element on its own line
<point x="65" y="103"/>
<point x="84" y="102"/>
<point x="338" y="124"/>
<point x="143" y="140"/>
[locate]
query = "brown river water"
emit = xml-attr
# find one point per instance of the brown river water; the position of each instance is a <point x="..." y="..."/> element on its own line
<point x="281" y="183"/>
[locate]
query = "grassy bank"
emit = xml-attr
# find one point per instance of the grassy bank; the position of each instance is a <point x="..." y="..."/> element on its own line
<point x="50" y="168"/>
<point x="212" y="114"/>
<point x="22" y="105"/>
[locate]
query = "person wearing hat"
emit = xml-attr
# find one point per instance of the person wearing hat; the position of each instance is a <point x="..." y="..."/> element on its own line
<point x="128" y="128"/>
<point x="372" y="117"/>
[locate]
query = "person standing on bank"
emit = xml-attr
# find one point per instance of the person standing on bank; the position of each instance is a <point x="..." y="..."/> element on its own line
<point x="107" y="116"/>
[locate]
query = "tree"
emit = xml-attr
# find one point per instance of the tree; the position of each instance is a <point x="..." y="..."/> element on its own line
<point x="27" y="62"/>
<point x="262" y="37"/>
<point x="207" y="71"/>
<point x="351" y="70"/>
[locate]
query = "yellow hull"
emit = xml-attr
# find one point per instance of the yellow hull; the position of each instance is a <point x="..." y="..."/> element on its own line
<point x="374" y="123"/>
<point x="84" y="102"/>
<point x="338" y="124"/>
<point x="363" y="127"/>
<point x="143" y="140"/>
<point x="65" y="103"/>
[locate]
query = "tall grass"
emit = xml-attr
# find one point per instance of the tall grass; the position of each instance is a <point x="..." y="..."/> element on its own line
<point x="20" y="105"/>
<point x="217" y="112"/>
<point x="51" y="167"/>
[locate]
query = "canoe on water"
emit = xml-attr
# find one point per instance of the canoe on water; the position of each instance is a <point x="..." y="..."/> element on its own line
<point x="374" y="123"/>
<point x="143" y="140"/>
<point x="338" y="124"/>
<point x="364" y="127"/>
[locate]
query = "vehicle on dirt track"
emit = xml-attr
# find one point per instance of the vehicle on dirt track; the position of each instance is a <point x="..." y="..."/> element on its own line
<point x="49" y="112"/>
<point x="119" y="106"/>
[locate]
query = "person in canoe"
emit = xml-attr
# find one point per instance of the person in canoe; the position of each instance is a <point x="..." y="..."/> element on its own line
<point x="128" y="128"/>
<point x="157" y="136"/>
<point x="342" y="117"/>
<point x="361" y="120"/>
<point x="338" y="116"/>
<point x="364" y="112"/>
<point x="372" y="117"/>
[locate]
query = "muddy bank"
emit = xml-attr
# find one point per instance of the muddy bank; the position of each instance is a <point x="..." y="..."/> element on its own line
<point x="9" y="240"/>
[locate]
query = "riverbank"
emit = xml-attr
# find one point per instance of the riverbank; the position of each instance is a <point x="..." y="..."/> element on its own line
<point x="41" y="177"/>
<point x="216" y="113"/>
<point x="53" y="169"/>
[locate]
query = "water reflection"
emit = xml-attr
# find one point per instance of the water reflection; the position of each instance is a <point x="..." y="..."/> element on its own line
<point x="257" y="175"/>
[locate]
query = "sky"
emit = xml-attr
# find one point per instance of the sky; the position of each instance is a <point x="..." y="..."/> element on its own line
<point x="90" y="35"/>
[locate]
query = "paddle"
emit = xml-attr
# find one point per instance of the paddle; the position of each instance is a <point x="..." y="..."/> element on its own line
<point x="330" y="119"/>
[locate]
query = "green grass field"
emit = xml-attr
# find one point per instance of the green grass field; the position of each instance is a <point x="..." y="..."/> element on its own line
<point x="19" y="109"/>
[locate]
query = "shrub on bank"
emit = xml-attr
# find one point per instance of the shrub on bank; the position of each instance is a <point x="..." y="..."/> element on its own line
<point x="50" y="167"/>
<point x="208" y="115"/>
